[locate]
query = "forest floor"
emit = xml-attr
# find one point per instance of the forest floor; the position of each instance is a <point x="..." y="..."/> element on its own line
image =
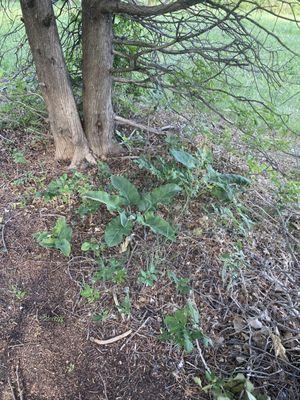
<point x="248" y="311"/>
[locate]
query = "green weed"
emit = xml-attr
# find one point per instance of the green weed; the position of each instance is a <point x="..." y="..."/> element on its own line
<point x="59" y="238"/>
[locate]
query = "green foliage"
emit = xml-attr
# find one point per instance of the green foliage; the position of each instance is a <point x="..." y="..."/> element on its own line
<point x="57" y="319"/>
<point x="124" y="307"/>
<point x="18" y="157"/>
<point x="101" y="317"/>
<point x="114" y="272"/>
<point x="128" y="199"/>
<point x="59" y="238"/>
<point x="117" y="229"/>
<point x="191" y="177"/>
<point x="234" y="260"/>
<point x="93" y="246"/>
<point x="182" y="284"/>
<point x="90" y="293"/>
<point x="224" y="186"/>
<point x="149" y="276"/>
<point x="233" y="388"/>
<point x="103" y="169"/>
<point x="234" y="217"/>
<point x="185" y="158"/>
<point x="157" y="225"/>
<point x="66" y="186"/>
<point x="126" y="189"/>
<point x="183" y="328"/>
<point x="18" y="293"/>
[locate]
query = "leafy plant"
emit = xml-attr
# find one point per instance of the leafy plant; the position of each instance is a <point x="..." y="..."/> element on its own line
<point x="182" y="284"/>
<point x="90" y="293"/>
<point x="59" y="238"/>
<point x="103" y="169"/>
<point x="149" y="276"/>
<point x="124" y="307"/>
<point x="236" y="218"/>
<point x="233" y="261"/>
<point x="18" y="157"/>
<point x="66" y="186"/>
<point x="96" y="248"/>
<point x="57" y="319"/>
<point x="114" y="272"/>
<point x="234" y="388"/>
<point x="18" y="293"/>
<point x="101" y="317"/>
<point x="133" y="208"/>
<point x="224" y="186"/>
<point x="183" y="328"/>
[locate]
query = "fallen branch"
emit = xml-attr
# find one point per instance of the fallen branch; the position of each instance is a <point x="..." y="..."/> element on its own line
<point x="111" y="340"/>
<point x="130" y="122"/>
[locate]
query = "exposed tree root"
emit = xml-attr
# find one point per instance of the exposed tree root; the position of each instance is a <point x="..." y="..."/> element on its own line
<point x="80" y="156"/>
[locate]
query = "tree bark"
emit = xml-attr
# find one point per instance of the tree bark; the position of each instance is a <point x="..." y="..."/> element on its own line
<point x="65" y="124"/>
<point x="97" y="80"/>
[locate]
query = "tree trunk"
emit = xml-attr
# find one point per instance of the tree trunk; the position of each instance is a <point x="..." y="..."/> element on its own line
<point x="97" y="79"/>
<point x="65" y="124"/>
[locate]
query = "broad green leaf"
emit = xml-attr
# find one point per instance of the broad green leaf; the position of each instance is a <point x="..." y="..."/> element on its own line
<point x="158" y="225"/>
<point x="126" y="189"/>
<point x="160" y="195"/>
<point x="115" y="231"/>
<point x="234" y="178"/>
<point x="194" y="313"/>
<point x="64" y="246"/>
<point x="250" y="396"/>
<point x="123" y="218"/>
<point x="198" y="381"/>
<point x="188" y="345"/>
<point x="112" y="202"/>
<point x="185" y="158"/>
<point x="85" y="246"/>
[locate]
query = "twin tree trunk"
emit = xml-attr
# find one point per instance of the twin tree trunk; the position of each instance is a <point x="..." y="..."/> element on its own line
<point x="72" y="142"/>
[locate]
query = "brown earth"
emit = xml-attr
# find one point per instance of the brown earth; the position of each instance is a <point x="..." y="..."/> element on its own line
<point x="45" y="347"/>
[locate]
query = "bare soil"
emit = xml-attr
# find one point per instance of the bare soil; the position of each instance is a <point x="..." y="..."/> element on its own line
<point x="45" y="347"/>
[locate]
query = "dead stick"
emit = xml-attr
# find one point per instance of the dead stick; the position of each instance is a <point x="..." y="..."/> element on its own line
<point x="111" y="340"/>
<point x="20" y="390"/>
<point x="130" y="122"/>
<point x="12" y="390"/>
<point x="4" y="247"/>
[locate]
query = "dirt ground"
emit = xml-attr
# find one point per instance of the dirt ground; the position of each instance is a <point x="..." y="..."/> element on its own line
<point x="46" y="351"/>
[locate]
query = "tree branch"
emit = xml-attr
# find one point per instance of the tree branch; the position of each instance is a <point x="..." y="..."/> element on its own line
<point x="122" y="7"/>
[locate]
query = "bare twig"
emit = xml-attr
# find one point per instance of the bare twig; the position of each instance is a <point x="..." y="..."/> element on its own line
<point x="130" y="122"/>
<point x="111" y="340"/>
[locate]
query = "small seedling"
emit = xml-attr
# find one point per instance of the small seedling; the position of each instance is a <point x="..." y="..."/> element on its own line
<point x="233" y="261"/>
<point x="114" y="272"/>
<point x="96" y="248"/>
<point x="57" y="319"/>
<point x="101" y="317"/>
<point x="59" y="238"/>
<point x="103" y="169"/>
<point x="90" y="293"/>
<point x="18" y="293"/>
<point x="234" y="388"/>
<point x="182" y="284"/>
<point x="124" y="307"/>
<point x="66" y="186"/>
<point x="18" y="157"/>
<point x="70" y="368"/>
<point x="183" y="328"/>
<point x="149" y="276"/>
